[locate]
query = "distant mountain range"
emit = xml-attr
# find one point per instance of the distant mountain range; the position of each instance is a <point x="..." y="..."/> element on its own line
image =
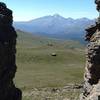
<point x="56" y="26"/>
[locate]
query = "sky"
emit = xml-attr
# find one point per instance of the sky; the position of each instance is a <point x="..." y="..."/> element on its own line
<point x="24" y="10"/>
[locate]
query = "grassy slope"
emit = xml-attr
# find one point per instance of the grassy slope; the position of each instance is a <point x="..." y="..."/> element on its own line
<point x="37" y="68"/>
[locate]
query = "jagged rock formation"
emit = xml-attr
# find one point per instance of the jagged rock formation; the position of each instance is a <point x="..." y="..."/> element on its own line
<point x="91" y="90"/>
<point x="8" y="91"/>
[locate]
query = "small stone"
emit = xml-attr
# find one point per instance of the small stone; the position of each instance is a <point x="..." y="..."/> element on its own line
<point x="53" y="54"/>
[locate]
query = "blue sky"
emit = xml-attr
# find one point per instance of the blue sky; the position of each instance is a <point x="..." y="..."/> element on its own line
<point x="24" y="10"/>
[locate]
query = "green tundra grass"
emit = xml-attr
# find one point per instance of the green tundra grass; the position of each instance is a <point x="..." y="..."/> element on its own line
<point x="37" y="68"/>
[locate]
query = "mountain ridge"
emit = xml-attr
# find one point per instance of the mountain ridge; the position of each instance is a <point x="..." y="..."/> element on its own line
<point x="56" y="26"/>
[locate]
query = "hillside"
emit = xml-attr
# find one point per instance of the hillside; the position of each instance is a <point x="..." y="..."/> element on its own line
<point x="29" y="40"/>
<point x="37" y="68"/>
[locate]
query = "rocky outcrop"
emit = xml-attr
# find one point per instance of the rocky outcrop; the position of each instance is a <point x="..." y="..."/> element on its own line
<point x="8" y="35"/>
<point x="68" y="92"/>
<point x="91" y="90"/>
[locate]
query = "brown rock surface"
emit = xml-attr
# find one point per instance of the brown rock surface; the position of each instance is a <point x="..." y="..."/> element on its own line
<point x="91" y="90"/>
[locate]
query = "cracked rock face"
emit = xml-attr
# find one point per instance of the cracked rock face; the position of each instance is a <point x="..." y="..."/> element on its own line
<point x="91" y="90"/>
<point x="8" y="36"/>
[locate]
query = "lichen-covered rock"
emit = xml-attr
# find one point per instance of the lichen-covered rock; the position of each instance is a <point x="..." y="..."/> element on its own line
<point x="8" y="36"/>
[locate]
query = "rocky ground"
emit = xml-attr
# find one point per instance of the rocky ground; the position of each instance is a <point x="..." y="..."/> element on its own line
<point x="69" y="92"/>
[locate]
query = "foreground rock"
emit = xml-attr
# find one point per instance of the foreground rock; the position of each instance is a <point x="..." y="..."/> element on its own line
<point x="8" y="91"/>
<point x="69" y="92"/>
<point x="91" y="90"/>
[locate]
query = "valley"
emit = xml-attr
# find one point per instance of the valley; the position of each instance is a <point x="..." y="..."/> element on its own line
<point x="37" y="68"/>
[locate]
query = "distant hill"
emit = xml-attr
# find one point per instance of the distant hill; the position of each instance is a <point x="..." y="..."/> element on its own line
<point x="29" y="40"/>
<point x="56" y="26"/>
